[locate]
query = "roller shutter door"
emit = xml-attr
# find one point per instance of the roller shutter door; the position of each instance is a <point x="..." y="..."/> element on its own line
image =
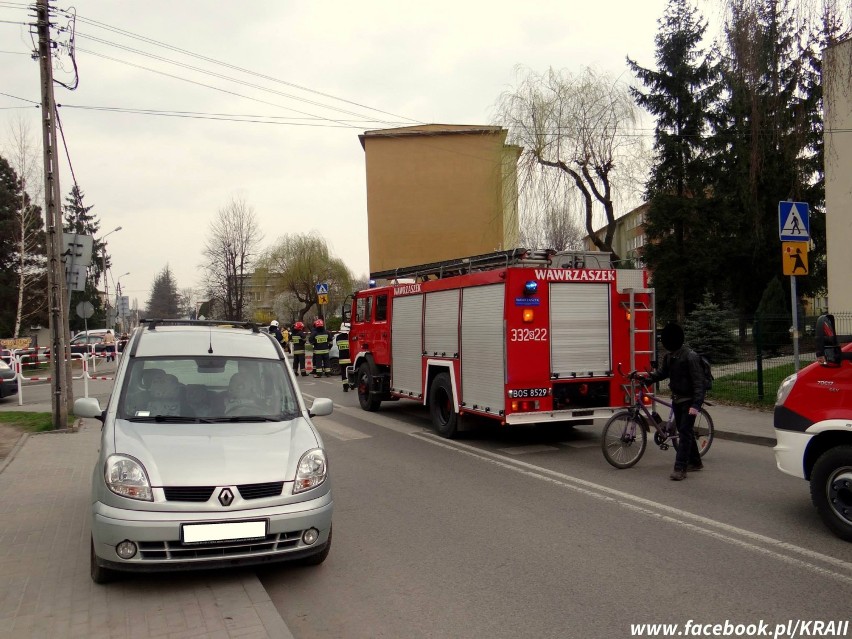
<point x="442" y="324"/>
<point x="580" y="329"/>
<point x="407" y="347"/>
<point x="483" y="348"/>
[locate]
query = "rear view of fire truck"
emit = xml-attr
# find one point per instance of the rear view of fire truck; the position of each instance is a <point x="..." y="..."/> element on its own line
<point x="522" y="337"/>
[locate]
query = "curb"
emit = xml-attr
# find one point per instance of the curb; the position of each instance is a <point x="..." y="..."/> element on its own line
<point x="18" y="446"/>
<point x="758" y="440"/>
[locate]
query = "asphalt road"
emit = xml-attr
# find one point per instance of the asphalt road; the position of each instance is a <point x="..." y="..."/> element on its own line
<point x="525" y="533"/>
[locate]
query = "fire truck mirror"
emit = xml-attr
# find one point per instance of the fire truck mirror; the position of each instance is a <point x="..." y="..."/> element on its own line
<point x="826" y="340"/>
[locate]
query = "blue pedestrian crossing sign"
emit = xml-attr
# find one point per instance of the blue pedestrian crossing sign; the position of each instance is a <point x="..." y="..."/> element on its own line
<point x="322" y="289"/>
<point x="793" y="224"/>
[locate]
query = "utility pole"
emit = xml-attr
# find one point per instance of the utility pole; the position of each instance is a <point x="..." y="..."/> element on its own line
<point x="57" y="306"/>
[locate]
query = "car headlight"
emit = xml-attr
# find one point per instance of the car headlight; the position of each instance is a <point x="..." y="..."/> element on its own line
<point x="4" y="366"/>
<point x="127" y="477"/>
<point x="784" y="389"/>
<point x="312" y="470"/>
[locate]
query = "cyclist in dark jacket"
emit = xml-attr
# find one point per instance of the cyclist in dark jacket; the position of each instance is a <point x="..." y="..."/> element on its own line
<point x="682" y="367"/>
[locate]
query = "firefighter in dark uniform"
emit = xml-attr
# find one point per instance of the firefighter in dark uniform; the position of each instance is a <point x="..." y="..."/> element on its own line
<point x="344" y="359"/>
<point x="297" y="343"/>
<point x="322" y="344"/>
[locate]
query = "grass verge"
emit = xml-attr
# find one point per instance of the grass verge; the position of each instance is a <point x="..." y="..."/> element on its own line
<point x="31" y="422"/>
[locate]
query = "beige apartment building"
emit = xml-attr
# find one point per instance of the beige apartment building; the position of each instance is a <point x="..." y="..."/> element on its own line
<point x="437" y="192"/>
<point x="837" y="105"/>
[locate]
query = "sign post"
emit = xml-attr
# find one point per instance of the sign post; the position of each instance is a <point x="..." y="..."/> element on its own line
<point x="322" y="296"/>
<point x="794" y="232"/>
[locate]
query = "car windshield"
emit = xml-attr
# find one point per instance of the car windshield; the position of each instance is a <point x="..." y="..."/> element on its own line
<point x="207" y="389"/>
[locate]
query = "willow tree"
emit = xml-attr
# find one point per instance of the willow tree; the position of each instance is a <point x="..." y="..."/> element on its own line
<point x="294" y="266"/>
<point x="580" y="128"/>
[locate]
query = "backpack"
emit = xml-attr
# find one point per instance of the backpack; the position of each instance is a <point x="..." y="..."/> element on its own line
<point x="708" y="374"/>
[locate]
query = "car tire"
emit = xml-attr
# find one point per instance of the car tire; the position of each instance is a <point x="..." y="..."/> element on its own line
<point x="441" y="408"/>
<point x="831" y="490"/>
<point x="335" y="366"/>
<point x="321" y="556"/>
<point x="362" y="383"/>
<point x="99" y="574"/>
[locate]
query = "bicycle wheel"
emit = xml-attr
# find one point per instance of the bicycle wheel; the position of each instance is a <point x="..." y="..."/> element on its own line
<point x="703" y="431"/>
<point x="624" y="439"/>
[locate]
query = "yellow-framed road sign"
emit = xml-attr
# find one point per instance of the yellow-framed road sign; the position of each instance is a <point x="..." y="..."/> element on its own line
<point x="794" y="256"/>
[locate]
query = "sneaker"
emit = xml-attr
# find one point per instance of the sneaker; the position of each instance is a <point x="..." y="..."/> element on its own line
<point x="695" y="467"/>
<point x="678" y="475"/>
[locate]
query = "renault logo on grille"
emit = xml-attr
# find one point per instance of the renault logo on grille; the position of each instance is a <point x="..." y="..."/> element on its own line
<point x="226" y="497"/>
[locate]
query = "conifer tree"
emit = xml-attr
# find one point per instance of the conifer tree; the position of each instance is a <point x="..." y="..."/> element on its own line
<point x="77" y="218"/>
<point x="679" y="220"/>
<point x="711" y="331"/>
<point x="164" y="301"/>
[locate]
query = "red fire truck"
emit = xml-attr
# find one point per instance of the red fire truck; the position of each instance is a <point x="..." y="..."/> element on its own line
<point x="519" y="336"/>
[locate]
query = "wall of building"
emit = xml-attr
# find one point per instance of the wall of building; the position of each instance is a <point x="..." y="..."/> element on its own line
<point x="438" y="192"/>
<point x="837" y="87"/>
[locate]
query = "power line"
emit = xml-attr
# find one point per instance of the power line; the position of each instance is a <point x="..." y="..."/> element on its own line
<point x="9" y="95"/>
<point x="236" y="68"/>
<point x="221" y="76"/>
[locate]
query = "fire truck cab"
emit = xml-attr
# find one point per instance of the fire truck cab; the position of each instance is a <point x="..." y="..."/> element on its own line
<point x="813" y="427"/>
<point x="518" y="336"/>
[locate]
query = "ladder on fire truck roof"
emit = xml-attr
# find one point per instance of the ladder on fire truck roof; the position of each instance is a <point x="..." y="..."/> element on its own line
<point x="464" y="265"/>
<point x="647" y="338"/>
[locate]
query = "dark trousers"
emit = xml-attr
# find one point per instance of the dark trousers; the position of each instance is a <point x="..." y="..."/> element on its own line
<point x="320" y="363"/>
<point x="298" y="362"/>
<point x="687" y="447"/>
<point x="343" y="366"/>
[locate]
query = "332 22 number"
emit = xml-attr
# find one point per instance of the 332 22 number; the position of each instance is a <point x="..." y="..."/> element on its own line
<point x="528" y="335"/>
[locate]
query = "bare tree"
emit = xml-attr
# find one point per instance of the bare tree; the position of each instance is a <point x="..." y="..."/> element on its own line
<point x="580" y="128"/>
<point x="550" y="218"/>
<point x="24" y="157"/>
<point x="230" y="250"/>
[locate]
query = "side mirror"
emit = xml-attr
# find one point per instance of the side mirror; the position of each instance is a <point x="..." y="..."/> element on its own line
<point x="321" y="407"/>
<point x="88" y="407"/>
<point x="826" y="340"/>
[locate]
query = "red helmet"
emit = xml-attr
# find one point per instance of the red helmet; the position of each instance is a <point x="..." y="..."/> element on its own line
<point x="298" y="326"/>
<point x="318" y="323"/>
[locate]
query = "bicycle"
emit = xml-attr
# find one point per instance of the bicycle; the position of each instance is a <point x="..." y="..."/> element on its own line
<point x="625" y="438"/>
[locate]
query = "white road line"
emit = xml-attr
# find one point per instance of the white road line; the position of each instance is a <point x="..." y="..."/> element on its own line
<point x="526" y="450"/>
<point x="339" y="431"/>
<point x="778" y="549"/>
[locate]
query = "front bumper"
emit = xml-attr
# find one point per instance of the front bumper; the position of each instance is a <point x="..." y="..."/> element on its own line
<point x="790" y="451"/>
<point x="158" y="536"/>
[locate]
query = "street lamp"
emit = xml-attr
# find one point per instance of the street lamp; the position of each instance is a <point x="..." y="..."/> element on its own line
<point x="118" y="298"/>
<point x="103" y="258"/>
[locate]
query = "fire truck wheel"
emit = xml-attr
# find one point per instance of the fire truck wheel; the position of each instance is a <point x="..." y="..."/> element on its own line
<point x="831" y="490"/>
<point x="362" y="383"/>
<point x="444" y="416"/>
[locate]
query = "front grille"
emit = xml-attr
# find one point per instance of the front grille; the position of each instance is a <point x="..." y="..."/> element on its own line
<point x="258" y="491"/>
<point x="188" y="493"/>
<point x="176" y="551"/>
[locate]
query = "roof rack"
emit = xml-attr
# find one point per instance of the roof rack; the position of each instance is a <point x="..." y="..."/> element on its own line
<point x="153" y="323"/>
<point x="463" y="265"/>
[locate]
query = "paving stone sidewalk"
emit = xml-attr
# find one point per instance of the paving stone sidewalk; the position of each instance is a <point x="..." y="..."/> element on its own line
<point x="45" y="589"/>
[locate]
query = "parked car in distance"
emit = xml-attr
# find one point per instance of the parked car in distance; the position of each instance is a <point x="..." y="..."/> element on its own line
<point x="8" y="383"/>
<point x="208" y="456"/>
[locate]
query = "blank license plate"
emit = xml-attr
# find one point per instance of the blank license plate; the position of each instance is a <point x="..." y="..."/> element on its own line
<point x="196" y="533"/>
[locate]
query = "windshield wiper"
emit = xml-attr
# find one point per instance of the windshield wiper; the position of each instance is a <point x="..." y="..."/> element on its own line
<point x="244" y="418"/>
<point x="171" y="419"/>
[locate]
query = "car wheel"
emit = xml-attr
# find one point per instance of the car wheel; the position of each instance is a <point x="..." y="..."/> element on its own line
<point x="444" y="415"/>
<point x="335" y="366"/>
<point x="100" y="575"/>
<point x="363" y="382"/>
<point x="317" y="559"/>
<point x="831" y="490"/>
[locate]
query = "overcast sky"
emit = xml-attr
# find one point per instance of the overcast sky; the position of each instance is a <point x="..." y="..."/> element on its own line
<point x="382" y="64"/>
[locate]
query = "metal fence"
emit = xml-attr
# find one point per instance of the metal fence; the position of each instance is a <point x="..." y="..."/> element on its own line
<point x="751" y="357"/>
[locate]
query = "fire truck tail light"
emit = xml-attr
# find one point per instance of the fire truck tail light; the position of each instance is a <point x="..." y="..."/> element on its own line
<point x="647" y="400"/>
<point x="528" y="315"/>
<point x="524" y="405"/>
